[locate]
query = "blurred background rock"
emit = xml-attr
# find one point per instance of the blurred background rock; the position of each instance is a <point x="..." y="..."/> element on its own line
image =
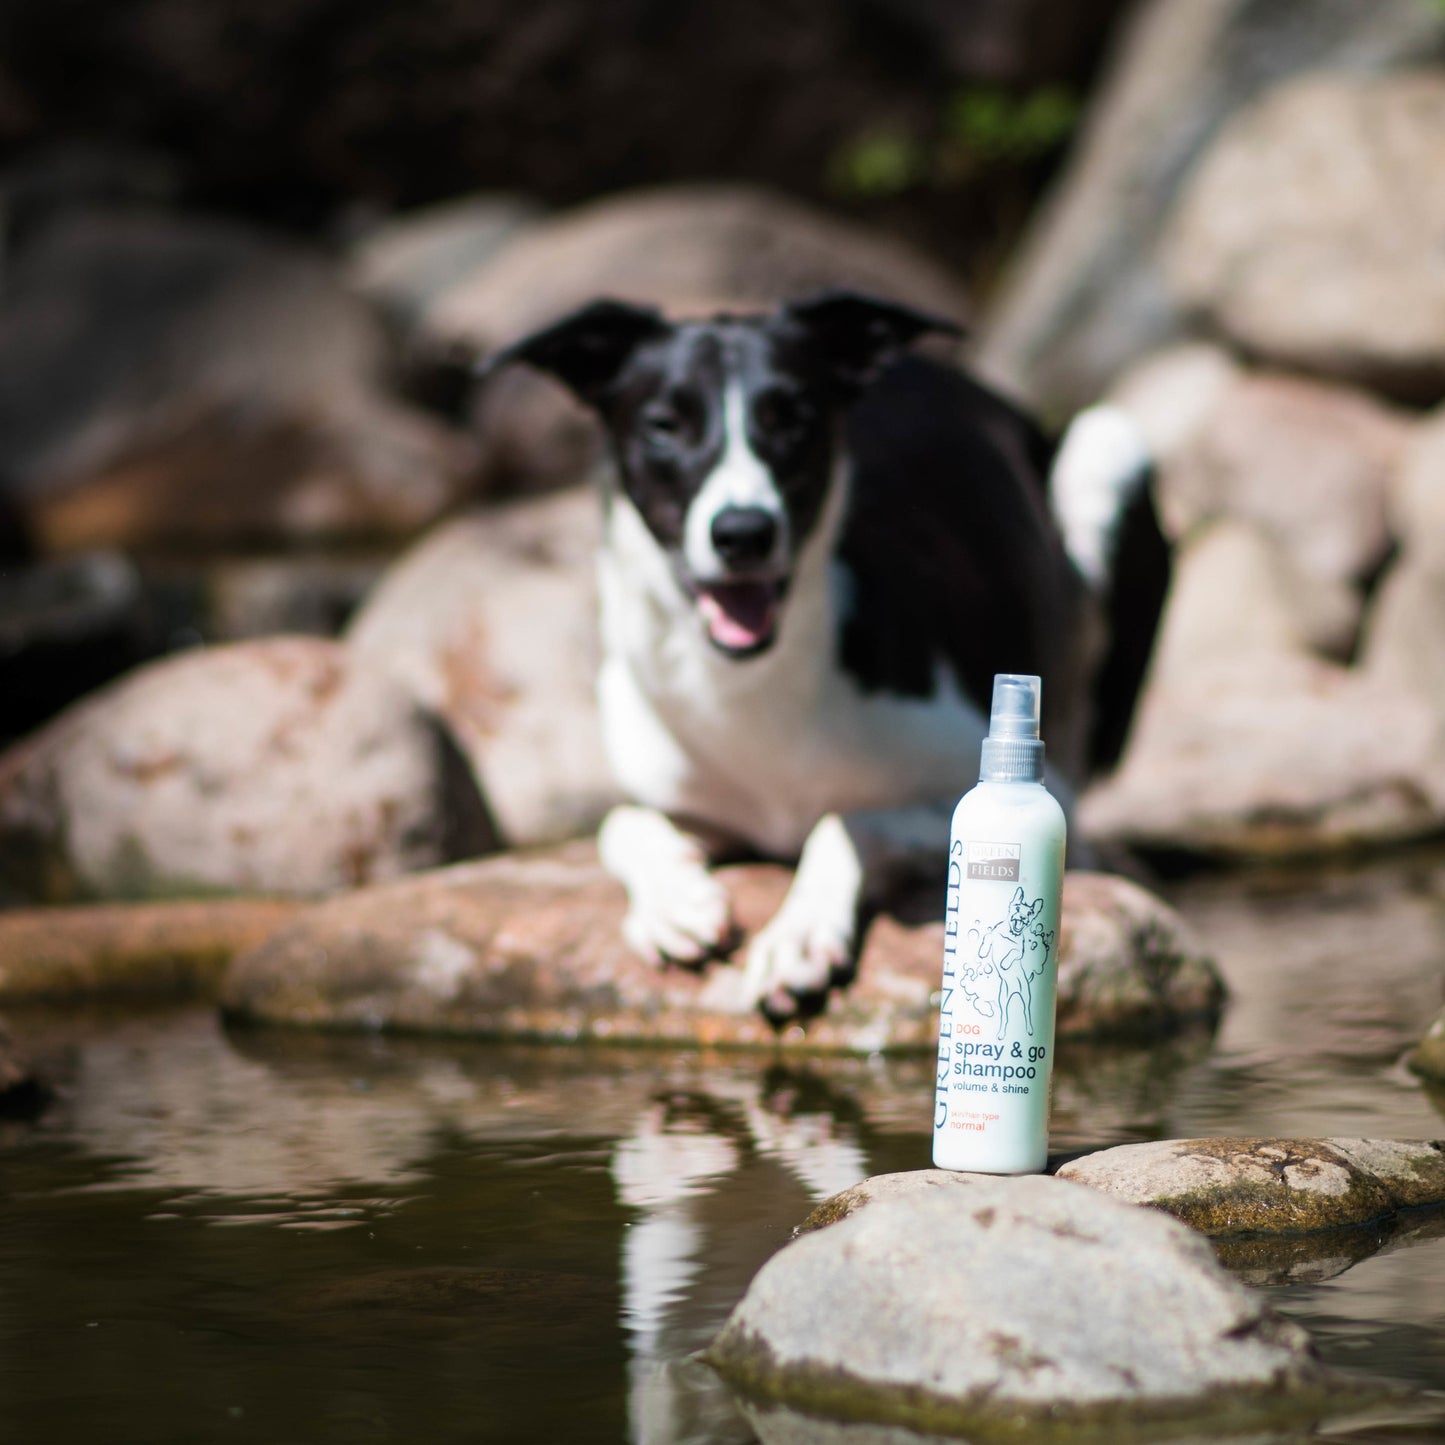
<point x="248" y="249"/>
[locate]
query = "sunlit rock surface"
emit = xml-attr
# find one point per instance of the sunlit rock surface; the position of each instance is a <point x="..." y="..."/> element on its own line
<point x="993" y="1303"/>
<point x="691" y="251"/>
<point x="490" y="623"/>
<point x="530" y="946"/>
<point x="286" y="765"/>
<point x="1266" y="1186"/>
<point x="1248" y="743"/>
<point x="175" y="948"/>
<point x="1288" y="237"/>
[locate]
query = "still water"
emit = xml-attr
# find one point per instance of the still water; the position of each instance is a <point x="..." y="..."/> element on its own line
<point x="267" y="1237"/>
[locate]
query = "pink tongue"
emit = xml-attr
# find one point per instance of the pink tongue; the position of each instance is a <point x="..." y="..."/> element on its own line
<point x="738" y="614"/>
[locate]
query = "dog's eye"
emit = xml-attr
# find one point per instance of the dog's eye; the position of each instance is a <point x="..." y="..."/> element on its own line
<point x="781" y="415"/>
<point x="661" y="427"/>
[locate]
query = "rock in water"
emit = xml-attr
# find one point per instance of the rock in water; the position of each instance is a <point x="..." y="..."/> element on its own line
<point x="1004" y="1304"/>
<point x="1269" y="1186"/>
<point x="529" y="945"/>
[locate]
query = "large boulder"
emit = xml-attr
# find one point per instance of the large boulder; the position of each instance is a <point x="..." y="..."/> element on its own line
<point x="175" y="381"/>
<point x="530" y="946"/>
<point x="284" y="766"/>
<point x="690" y="251"/>
<point x="490" y="623"/>
<point x="1087" y="294"/>
<point x="1247" y="744"/>
<point x="1002" y="1304"/>
<point x="1310" y="234"/>
<point x="1311" y="464"/>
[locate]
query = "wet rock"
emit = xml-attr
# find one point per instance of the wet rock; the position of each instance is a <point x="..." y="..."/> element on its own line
<point x="490" y="623"/>
<point x="1273" y="1260"/>
<point x="690" y="251"/>
<point x="1087" y="295"/>
<point x="1004" y="1303"/>
<point x="1288" y="237"/>
<point x="283" y="766"/>
<point x="181" y="381"/>
<point x="530" y="946"/>
<point x="1268" y="1259"/>
<point x="1427" y="1058"/>
<point x="1128" y="964"/>
<point x="1248" y="745"/>
<point x="1229" y="1187"/>
<point x="108" y="950"/>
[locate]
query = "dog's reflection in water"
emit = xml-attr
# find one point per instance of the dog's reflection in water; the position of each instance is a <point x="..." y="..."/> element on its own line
<point x="692" y="1167"/>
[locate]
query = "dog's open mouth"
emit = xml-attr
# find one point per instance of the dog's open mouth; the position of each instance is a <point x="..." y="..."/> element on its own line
<point x="741" y="617"/>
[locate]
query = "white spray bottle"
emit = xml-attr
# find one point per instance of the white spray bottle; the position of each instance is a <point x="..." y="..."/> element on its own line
<point x="1000" y="953"/>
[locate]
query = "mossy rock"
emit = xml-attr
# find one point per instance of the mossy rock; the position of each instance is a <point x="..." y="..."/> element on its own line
<point x="1245" y="1187"/>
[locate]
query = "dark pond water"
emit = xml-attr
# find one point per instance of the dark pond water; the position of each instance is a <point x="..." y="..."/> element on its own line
<point x="276" y="1238"/>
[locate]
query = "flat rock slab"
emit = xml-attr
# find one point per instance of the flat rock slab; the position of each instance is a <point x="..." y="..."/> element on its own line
<point x="1233" y="1187"/>
<point x="529" y="946"/>
<point x="107" y="950"/>
<point x="1011" y="1309"/>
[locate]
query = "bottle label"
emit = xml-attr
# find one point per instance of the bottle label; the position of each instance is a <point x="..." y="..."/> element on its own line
<point x="994" y="861"/>
<point x="996" y="1010"/>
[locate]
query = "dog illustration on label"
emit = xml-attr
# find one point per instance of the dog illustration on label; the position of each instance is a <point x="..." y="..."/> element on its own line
<point x="1008" y="957"/>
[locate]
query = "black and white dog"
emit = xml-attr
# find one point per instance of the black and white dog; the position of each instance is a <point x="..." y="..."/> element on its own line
<point x="817" y="553"/>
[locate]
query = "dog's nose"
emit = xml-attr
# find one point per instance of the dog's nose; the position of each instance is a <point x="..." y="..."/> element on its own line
<point x="744" y="534"/>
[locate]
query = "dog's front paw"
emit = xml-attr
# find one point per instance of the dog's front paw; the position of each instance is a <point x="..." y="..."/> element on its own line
<point x="801" y="953"/>
<point x="680" y="915"/>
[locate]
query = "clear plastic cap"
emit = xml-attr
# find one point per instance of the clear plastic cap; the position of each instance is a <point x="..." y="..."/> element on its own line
<point x="1012" y="752"/>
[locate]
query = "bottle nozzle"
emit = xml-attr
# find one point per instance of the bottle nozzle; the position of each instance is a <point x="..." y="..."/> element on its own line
<point x="1015" y="711"/>
<point x="1012" y="752"/>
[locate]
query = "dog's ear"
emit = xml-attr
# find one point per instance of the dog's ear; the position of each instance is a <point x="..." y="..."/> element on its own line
<point x="587" y="349"/>
<point x="860" y="336"/>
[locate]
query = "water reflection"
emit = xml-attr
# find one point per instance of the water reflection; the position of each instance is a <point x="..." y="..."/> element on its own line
<point x="675" y="1170"/>
<point x="461" y="1241"/>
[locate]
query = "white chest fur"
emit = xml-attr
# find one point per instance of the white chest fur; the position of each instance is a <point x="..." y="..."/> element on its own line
<point x="761" y="747"/>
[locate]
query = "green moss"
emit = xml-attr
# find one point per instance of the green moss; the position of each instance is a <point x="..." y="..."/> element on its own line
<point x="749" y="1366"/>
<point x="1274" y="1206"/>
